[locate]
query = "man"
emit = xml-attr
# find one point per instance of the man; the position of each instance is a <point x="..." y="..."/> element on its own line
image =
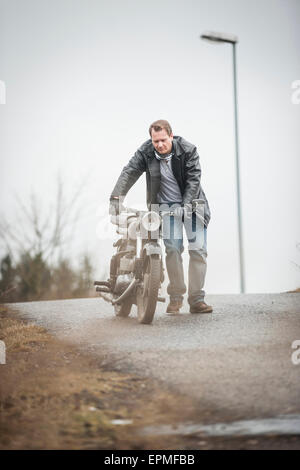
<point x="173" y="178"/>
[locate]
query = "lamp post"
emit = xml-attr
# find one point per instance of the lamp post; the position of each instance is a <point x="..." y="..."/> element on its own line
<point x="231" y="39"/>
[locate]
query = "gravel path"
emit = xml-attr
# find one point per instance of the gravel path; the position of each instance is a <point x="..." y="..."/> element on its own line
<point x="236" y="363"/>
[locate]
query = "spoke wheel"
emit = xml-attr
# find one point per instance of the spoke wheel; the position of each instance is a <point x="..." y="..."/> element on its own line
<point x="147" y="292"/>
<point x="123" y="309"/>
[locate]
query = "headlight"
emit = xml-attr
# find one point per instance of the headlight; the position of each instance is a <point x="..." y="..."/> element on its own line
<point x="151" y="221"/>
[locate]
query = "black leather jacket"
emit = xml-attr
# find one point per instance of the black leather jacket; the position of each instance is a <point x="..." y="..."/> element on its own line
<point x="185" y="166"/>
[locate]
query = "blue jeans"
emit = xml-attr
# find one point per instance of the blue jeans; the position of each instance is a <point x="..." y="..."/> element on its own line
<point x="196" y="234"/>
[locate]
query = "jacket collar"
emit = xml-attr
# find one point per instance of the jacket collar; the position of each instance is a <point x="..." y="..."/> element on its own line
<point x="178" y="150"/>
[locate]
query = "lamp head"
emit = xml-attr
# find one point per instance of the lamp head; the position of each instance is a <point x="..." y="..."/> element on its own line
<point x="214" y="37"/>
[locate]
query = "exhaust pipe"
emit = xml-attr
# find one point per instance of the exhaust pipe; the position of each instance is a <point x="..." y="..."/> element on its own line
<point x="102" y="283"/>
<point x="103" y="289"/>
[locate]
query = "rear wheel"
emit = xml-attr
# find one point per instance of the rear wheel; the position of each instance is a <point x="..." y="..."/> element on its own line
<point x="147" y="293"/>
<point x="123" y="309"/>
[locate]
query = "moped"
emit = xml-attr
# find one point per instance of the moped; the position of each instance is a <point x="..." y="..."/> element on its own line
<point x="136" y="269"/>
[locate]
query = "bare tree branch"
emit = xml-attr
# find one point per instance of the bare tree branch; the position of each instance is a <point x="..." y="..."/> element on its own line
<point x="35" y="233"/>
<point x="7" y="291"/>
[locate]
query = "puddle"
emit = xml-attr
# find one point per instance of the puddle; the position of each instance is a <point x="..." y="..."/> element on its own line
<point x="121" y="422"/>
<point x="280" y="425"/>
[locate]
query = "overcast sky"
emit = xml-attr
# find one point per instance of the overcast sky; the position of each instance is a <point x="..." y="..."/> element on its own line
<point x="85" y="78"/>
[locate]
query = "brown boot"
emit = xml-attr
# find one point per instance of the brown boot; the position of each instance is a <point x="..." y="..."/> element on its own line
<point x="201" y="307"/>
<point x="174" y="306"/>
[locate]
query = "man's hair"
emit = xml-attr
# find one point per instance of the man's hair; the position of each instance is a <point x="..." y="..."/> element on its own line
<point x="159" y="126"/>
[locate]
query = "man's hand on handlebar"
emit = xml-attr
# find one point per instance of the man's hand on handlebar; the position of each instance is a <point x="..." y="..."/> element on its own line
<point x="182" y="211"/>
<point x="115" y="206"/>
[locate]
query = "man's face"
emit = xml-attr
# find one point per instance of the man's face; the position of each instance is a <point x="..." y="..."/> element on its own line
<point x="162" y="142"/>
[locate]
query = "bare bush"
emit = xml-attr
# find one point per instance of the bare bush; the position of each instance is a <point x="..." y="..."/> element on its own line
<point x="35" y="265"/>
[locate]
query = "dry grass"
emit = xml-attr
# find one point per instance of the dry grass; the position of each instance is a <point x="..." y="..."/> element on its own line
<point x="20" y="337"/>
<point x="52" y="396"/>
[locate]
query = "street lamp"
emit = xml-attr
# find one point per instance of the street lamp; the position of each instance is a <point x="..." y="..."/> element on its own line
<point x="231" y="39"/>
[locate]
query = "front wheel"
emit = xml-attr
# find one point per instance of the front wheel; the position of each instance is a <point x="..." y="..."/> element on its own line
<point x="123" y="309"/>
<point x="147" y="293"/>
